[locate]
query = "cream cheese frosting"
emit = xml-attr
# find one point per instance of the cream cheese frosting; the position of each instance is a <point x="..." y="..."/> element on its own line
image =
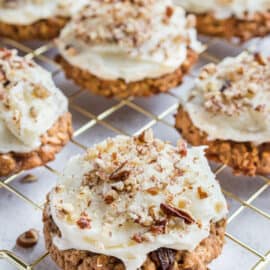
<point x="230" y="101"/>
<point x="129" y="196"/>
<point x="129" y="40"/>
<point x="30" y="103"/>
<point x="25" y="12"/>
<point x="223" y="9"/>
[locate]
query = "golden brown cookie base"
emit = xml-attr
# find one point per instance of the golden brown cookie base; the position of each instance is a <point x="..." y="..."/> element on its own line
<point x="43" y="29"/>
<point x="52" y="142"/>
<point x="209" y="249"/>
<point x="258" y="26"/>
<point x="245" y="158"/>
<point x="121" y="89"/>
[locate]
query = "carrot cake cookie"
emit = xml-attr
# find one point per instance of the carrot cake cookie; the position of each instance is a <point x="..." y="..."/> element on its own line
<point x="136" y="203"/>
<point x="129" y="48"/>
<point x="229" y="111"/>
<point x="244" y="19"/>
<point x="35" y="19"/>
<point x="34" y="119"/>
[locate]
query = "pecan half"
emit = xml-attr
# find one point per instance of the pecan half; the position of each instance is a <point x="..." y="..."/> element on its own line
<point x="175" y="212"/>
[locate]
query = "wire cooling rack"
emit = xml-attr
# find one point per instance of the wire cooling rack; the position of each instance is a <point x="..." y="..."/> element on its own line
<point x="96" y="118"/>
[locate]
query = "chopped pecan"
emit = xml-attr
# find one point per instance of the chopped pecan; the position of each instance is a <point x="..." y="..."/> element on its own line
<point x="159" y="227"/>
<point x="169" y="11"/>
<point x="225" y="85"/>
<point x="175" y="212"/>
<point x="137" y="238"/>
<point x="182" y="147"/>
<point x="28" y="239"/>
<point x="202" y="194"/>
<point x="153" y="191"/>
<point x="260" y="59"/>
<point x="146" y="136"/>
<point x="41" y="92"/>
<point x="119" y="174"/>
<point x="29" y="178"/>
<point x="84" y="222"/>
<point x="110" y="196"/>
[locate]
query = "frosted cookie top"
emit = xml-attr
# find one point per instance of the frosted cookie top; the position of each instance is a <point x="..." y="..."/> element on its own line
<point x="30" y="103"/>
<point x="26" y="12"/>
<point x="226" y="8"/>
<point x="230" y="100"/>
<point x="130" y="40"/>
<point x="129" y="196"/>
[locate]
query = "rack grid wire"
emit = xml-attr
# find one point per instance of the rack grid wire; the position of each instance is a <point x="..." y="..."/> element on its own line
<point x="41" y="54"/>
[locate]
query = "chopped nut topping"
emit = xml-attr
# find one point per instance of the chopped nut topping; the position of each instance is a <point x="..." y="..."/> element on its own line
<point x="219" y="206"/>
<point x="29" y="178"/>
<point x="234" y="85"/>
<point x="175" y="212"/>
<point x="138" y="238"/>
<point x="169" y="11"/>
<point x="182" y="146"/>
<point x="33" y="112"/>
<point x="146" y="136"/>
<point x="28" y="239"/>
<point x="159" y="227"/>
<point x="131" y="25"/>
<point x="260" y="59"/>
<point x="202" y="194"/>
<point x="41" y="92"/>
<point x="84" y="222"/>
<point x="153" y="191"/>
<point x="119" y="174"/>
<point x="110" y="196"/>
<point x="125" y="191"/>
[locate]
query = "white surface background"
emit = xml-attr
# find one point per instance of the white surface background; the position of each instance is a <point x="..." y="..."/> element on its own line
<point x="17" y="216"/>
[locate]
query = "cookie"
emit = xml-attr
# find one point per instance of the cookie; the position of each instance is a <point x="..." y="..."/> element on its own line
<point x="136" y="203"/>
<point x="34" y="119"/>
<point x="118" y="57"/>
<point x="28" y="20"/>
<point x="121" y="89"/>
<point x="230" y="19"/>
<point x="228" y="111"/>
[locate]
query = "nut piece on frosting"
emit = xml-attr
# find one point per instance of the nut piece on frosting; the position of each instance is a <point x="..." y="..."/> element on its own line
<point x="230" y="18"/>
<point x="34" y="119"/>
<point x="134" y="195"/>
<point x="36" y="19"/>
<point x="229" y="110"/>
<point x="125" y="48"/>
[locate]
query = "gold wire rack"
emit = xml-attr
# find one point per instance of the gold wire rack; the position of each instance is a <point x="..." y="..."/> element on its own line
<point x="41" y="54"/>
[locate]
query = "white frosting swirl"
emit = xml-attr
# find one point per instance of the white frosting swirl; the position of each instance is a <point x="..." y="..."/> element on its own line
<point x="129" y="40"/>
<point x="110" y="201"/>
<point x="223" y="9"/>
<point x="25" y="12"/>
<point x="30" y="103"/>
<point x="230" y="100"/>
